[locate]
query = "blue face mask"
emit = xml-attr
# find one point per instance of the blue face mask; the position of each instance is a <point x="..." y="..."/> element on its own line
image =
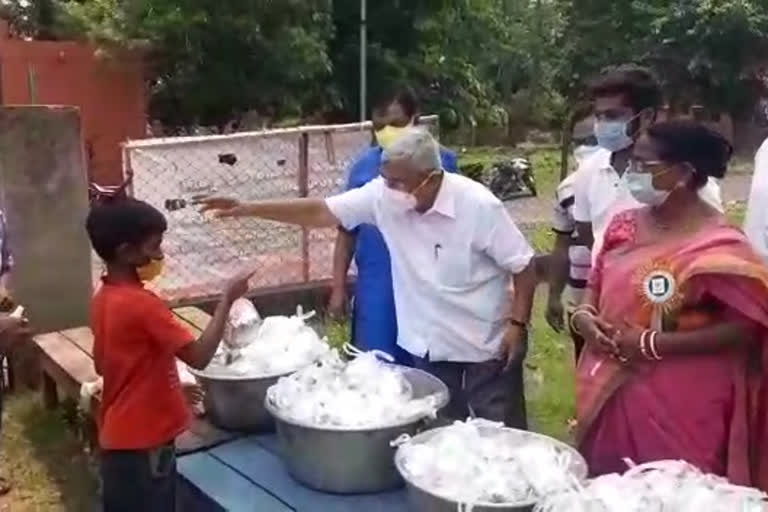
<point x="641" y="187"/>
<point x="612" y="135"/>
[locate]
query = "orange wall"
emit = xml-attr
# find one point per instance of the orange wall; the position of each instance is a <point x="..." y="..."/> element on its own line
<point x="109" y="90"/>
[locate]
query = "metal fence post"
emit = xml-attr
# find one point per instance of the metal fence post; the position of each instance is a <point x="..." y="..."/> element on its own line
<point x="303" y="177"/>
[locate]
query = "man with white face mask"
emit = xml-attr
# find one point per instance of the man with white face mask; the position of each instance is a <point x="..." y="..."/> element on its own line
<point x="374" y="323"/>
<point x="454" y="252"/>
<point x="626" y="100"/>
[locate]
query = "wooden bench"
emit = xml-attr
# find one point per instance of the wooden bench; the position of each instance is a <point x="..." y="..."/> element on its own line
<point x="66" y="360"/>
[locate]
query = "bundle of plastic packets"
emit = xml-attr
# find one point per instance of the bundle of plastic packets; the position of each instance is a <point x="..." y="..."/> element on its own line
<point x="663" y="486"/>
<point x="362" y="393"/>
<point x="482" y="463"/>
<point x="278" y="344"/>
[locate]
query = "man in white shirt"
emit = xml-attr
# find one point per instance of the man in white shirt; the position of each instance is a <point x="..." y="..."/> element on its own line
<point x="626" y="100"/>
<point x="756" y="221"/>
<point x="454" y="250"/>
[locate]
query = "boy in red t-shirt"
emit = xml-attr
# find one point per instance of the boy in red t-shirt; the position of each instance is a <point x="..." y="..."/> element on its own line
<point x="136" y="343"/>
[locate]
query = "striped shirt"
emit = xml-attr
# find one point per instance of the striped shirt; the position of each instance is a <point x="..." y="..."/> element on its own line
<point x="579" y="256"/>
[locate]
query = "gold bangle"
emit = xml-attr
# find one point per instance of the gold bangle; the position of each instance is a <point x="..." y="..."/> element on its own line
<point x="652" y="344"/>
<point x="576" y="313"/>
<point x="589" y="308"/>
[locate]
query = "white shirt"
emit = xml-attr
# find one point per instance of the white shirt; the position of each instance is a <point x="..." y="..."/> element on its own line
<point x="600" y="193"/>
<point x="451" y="266"/>
<point x="756" y="221"/>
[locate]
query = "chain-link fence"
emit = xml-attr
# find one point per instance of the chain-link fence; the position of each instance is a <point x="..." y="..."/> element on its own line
<point x="202" y="253"/>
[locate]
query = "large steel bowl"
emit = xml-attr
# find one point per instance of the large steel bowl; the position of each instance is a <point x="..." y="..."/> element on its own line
<point x="422" y="500"/>
<point x="351" y="461"/>
<point x="237" y="403"/>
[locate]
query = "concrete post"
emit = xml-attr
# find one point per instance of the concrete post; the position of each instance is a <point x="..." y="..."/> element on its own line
<point x="43" y="191"/>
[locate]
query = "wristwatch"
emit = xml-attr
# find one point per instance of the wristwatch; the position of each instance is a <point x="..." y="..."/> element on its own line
<point x="518" y="323"/>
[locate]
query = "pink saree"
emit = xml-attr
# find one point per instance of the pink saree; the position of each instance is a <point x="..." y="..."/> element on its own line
<point x="711" y="409"/>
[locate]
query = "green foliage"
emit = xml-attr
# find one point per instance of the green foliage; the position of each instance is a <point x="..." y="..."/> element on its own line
<point x="710" y="50"/>
<point x="704" y="51"/>
<point x="216" y="59"/>
<point x="39" y="19"/>
<point x="477" y="63"/>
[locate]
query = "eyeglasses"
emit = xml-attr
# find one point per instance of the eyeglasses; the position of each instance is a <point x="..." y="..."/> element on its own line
<point x="646" y="166"/>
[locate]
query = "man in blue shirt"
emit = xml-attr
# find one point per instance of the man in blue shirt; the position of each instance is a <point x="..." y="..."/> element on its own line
<point x="374" y="323"/>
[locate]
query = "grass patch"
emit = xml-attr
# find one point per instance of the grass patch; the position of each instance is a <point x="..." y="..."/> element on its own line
<point x="736" y="211"/>
<point x="550" y="377"/>
<point x="550" y="364"/>
<point x="43" y="460"/>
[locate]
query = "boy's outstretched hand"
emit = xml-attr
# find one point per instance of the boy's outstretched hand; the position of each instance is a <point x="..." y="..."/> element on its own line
<point x="238" y="286"/>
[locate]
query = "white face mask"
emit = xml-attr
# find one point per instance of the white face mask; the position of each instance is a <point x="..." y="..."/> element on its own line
<point x="398" y="201"/>
<point x="640" y="185"/>
<point x="581" y="153"/>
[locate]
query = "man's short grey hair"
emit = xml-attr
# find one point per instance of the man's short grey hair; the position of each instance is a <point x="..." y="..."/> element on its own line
<point x="418" y="148"/>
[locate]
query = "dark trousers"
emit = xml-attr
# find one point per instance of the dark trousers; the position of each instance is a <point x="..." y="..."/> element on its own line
<point x="485" y="390"/>
<point x="139" y="480"/>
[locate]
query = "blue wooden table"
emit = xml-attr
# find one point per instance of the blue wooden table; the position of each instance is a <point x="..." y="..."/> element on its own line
<point x="247" y="475"/>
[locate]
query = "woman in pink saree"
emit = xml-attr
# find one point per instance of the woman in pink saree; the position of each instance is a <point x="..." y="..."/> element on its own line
<point x="676" y="322"/>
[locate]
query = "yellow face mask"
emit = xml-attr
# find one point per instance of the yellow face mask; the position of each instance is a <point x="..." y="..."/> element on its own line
<point x="389" y="134"/>
<point x="151" y="270"/>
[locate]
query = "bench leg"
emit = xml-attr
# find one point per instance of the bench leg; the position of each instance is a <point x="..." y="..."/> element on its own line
<point x="50" y="394"/>
<point x="24" y="369"/>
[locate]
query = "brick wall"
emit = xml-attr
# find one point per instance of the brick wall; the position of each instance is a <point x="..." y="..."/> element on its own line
<point x="108" y="89"/>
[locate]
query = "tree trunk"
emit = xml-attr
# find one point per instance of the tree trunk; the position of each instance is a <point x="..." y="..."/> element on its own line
<point x="565" y="142"/>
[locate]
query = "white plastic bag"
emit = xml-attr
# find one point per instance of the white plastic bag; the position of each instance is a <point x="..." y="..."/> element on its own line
<point x="242" y="324"/>
<point x="276" y="345"/>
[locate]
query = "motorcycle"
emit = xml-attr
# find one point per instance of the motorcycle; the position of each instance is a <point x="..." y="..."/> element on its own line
<point x="513" y="178"/>
<point x="99" y="193"/>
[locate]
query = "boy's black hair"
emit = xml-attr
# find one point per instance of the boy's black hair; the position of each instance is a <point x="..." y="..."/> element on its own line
<point x="638" y="84"/>
<point x="679" y="141"/>
<point x="113" y="223"/>
<point x="403" y="95"/>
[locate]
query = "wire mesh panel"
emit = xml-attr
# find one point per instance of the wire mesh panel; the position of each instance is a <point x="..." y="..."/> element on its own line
<point x="202" y="253"/>
<point x="330" y="155"/>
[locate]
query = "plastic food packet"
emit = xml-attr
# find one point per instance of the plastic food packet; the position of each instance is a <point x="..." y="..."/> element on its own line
<point x="361" y="393"/>
<point x="242" y="325"/>
<point x="479" y="462"/>
<point x="661" y="486"/>
<point x="276" y="345"/>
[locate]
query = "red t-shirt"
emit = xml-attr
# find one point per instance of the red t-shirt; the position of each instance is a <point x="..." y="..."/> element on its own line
<point x="136" y="338"/>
